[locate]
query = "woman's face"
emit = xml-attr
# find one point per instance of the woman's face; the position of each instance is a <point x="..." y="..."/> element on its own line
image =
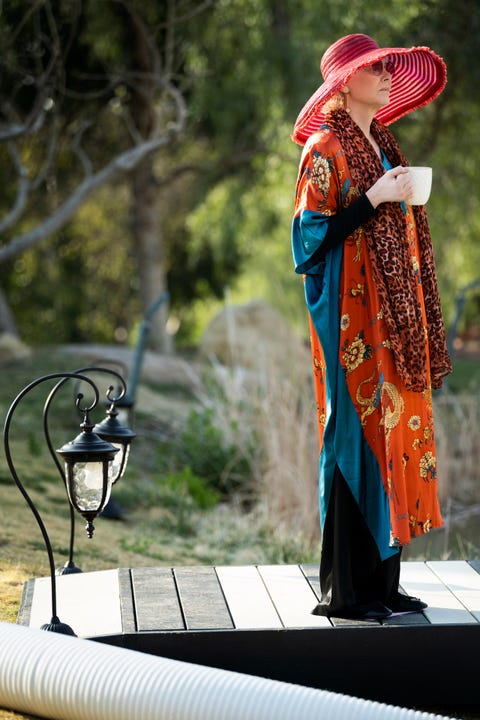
<point x="370" y="86"/>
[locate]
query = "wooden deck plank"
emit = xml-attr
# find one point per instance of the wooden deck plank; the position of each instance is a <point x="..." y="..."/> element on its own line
<point x="24" y="611"/>
<point x="406" y="619"/>
<point x="156" y="600"/>
<point x="247" y="598"/>
<point x="312" y="574"/>
<point x="475" y="564"/>
<point x="418" y="579"/>
<point x="88" y="602"/>
<point x="202" y="599"/>
<point x="127" y="606"/>
<point x="462" y="580"/>
<point x="292" y="596"/>
<point x="196" y="598"/>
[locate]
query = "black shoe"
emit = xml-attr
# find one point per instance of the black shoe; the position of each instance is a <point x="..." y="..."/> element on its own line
<point x="370" y="611"/>
<point x="406" y="603"/>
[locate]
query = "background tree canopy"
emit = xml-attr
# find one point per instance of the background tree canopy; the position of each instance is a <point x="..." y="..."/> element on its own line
<point x="214" y="87"/>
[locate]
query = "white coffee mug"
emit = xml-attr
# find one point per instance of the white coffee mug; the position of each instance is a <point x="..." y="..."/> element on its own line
<point x="422" y="184"/>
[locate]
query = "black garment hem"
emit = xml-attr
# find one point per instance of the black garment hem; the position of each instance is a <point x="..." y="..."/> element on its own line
<point x="353" y="578"/>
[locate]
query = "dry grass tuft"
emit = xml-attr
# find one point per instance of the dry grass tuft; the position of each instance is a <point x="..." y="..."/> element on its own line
<point x="457" y="427"/>
<point x="271" y="420"/>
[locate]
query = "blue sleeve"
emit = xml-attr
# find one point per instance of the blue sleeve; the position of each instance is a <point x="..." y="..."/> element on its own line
<point x="314" y="234"/>
<point x="308" y="232"/>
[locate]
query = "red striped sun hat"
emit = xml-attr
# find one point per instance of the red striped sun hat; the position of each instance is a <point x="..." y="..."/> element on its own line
<point x="420" y="75"/>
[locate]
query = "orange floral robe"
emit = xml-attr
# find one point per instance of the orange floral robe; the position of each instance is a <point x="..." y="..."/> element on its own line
<point x="380" y="434"/>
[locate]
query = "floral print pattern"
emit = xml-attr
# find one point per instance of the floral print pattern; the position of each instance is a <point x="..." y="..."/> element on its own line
<point x="321" y="173"/>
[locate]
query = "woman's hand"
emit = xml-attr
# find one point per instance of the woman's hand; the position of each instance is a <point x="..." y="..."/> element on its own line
<point x="394" y="186"/>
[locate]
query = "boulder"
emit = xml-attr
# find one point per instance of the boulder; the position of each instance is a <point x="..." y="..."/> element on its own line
<point x="12" y="348"/>
<point x="255" y="336"/>
<point x="162" y="369"/>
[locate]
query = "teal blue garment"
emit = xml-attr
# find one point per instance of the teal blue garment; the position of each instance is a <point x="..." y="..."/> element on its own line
<point x="308" y="232"/>
<point x="343" y="440"/>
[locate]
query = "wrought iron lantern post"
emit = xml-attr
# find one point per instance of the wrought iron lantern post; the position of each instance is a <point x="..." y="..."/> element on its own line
<point x="88" y="460"/>
<point x="113" y="432"/>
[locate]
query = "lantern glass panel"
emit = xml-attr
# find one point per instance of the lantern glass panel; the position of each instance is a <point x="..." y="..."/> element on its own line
<point x="119" y="462"/>
<point x="87" y="485"/>
<point x="127" y="453"/>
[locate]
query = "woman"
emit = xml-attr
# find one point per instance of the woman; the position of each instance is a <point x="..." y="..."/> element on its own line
<point x="378" y="341"/>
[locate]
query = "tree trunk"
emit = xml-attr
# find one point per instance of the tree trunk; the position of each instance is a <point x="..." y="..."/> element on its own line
<point x="147" y="237"/>
<point x="7" y="323"/>
<point x="147" y="234"/>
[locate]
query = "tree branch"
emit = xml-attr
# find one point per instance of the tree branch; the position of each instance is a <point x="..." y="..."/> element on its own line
<point x="22" y="190"/>
<point x="123" y="163"/>
<point x="12" y="131"/>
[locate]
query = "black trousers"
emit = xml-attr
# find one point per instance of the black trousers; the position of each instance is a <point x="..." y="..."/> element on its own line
<point x="352" y="575"/>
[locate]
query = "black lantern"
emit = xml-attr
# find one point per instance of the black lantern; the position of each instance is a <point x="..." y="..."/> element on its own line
<point x="55" y="624"/>
<point x="113" y="431"/>
<point x="124" y="400"/>
<point x="89" y="468"/>
<point x="69" y="567"/>
<point x="88" y="476"/>
<point x="125" y="407"/>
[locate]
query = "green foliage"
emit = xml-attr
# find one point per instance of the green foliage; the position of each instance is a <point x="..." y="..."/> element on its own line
<point x="84" y="285"/>
<point x="185" y="484"/>
<point x="203" y="454"/>
<point x="179" y="498"/>
<point x="465" y="376"/>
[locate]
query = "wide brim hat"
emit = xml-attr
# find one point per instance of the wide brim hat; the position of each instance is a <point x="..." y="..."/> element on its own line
<point x="420" y="75"/>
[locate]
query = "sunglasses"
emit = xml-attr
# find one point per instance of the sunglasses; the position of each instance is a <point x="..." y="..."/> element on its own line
<point x="380" y="66"/>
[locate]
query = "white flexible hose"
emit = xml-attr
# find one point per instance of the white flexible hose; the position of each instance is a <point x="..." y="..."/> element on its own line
<point x="66" y="678"/>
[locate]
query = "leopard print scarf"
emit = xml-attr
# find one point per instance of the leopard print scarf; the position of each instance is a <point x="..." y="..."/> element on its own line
<point x="393" y="272"/>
